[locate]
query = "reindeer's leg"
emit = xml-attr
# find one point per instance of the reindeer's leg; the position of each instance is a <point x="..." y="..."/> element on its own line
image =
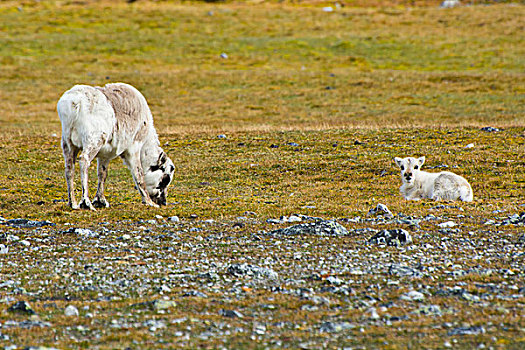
<point x="70" y="154"/>
<point x="88" y="154"/>
<point x="132" y="161"/>
<point x="102" y="169"/>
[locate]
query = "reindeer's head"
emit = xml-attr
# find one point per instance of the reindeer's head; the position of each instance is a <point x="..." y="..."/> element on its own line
<point x="410" y="167"/>
<point x="157" y="178"/>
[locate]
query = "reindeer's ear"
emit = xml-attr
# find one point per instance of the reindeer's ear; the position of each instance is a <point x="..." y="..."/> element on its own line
<point x="162" y="158"/>
<point x="421" y="161"/>
<point x="398" y="161"/>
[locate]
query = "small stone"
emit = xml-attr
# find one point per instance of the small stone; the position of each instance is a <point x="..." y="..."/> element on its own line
<point x="164" y="289"/>
<point x="259" y="328"/>
<point x="449" y="3"/>
<point x="84" y="232"/>
<point x="125" y="237"/>
<point x="429" y="310"/>
<point x="322" y="228"/>
<point x="230" y="313"/>
<point x="372" y="313"/>
<point x="380" y="209"/>
<point x="470" y="145"/>
<point x="334" y="280"/>
<point x="473" y="330"/>
<point x="71" y="311"/>
<point x="21" y="307"/>
<point x="447" y="224"/>
<point x="221" y="136"/>
<point x="490" y="129"/>
<point x="3" y="249"/>
<point x="394" y="237"/>
<point x="174" y="219"/>
<point x="413" y="296"/>
<point x="224" y="55"/>
<point x="240" y="270"/>
<point x="335" y="327"/>
<point x="25" y="243"/>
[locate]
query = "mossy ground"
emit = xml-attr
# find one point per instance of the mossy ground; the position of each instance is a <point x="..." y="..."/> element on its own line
<point x="314" y="106"/>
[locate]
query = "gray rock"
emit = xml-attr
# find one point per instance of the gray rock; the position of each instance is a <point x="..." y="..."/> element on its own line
<point x="429" y="310"/>
<point x="71" y="310"/>
<point x="25" y="223"/>
<point x="4" y="249"/>
<point x="394" y="237"/>
<point x="84" y="232"/>
<point x="335" y="327"/>
<point x="450" y="3"/>
<point x="321" y="228"/>
<point x="194" y="293"/>
<point x="230" y="313"/>
<point x="473" y="330"/>
<point x="404" y="271"/>
<point x="155" y="305"/>
<point x="242" y="270"/>
<point x="413" y="296"/>
<point x="22" y="307"/>
<point x="490" y="129"/>
<point x="380" y="209"/>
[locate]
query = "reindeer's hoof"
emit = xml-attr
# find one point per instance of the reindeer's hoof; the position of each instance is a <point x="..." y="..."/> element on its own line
<point x="152" y="204"/>
<point x="86" y="204"/>
<point x="100" y="203"/>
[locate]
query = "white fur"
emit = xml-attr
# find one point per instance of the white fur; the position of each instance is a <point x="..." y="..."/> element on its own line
<point x="418" y="184"/>
<point x="105" y="123"/>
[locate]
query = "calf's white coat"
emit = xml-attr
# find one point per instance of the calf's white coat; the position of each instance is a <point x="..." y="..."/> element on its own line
<point x="418" y="184"/>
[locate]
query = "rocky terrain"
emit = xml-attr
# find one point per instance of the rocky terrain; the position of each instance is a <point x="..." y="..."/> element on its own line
<point x="383" y="280"/>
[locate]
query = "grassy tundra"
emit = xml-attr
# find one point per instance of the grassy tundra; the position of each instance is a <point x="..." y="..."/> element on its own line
<point x="314" y="106"/>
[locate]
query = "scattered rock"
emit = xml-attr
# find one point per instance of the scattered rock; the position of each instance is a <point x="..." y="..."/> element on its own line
<point x="394" y="237"/>
<point x="413" y="296"/>
<point x="429" y="310"/>
<point x="21" y="307"/>
<point x="155" y="305"/>
<point x="242" y="270"/>
<point x="380" y="209"/>
<point x="335" y="327"/>
<point x="174" y="219"/>
<point x="472" y="330"/>
<point x="84" y="232"/>
<point x="322" y="228"/>
<point x="490" y="129"/>
<point x="230" y="313"/>
<point x="450" y="3"/>
<point x="448" y="224"/>
<point x="25" y="223"/>
<point x="71" y="310"/>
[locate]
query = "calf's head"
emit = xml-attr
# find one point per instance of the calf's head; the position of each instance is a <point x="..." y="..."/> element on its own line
<point x="410" y="168"/>
<point x="157" y="177"/>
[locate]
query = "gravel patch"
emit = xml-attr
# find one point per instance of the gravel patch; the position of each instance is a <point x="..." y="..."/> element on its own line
<point x="308" y="283"/>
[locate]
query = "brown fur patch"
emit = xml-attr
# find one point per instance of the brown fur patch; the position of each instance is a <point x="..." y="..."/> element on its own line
<point x="131" y="113"/>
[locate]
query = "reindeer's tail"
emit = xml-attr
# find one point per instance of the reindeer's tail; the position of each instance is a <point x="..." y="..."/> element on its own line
<point x="68" y="108"/>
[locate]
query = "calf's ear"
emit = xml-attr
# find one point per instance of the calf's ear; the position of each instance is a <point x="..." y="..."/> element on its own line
<point x="421" y="161"/>
<point x="398" y="161"/>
